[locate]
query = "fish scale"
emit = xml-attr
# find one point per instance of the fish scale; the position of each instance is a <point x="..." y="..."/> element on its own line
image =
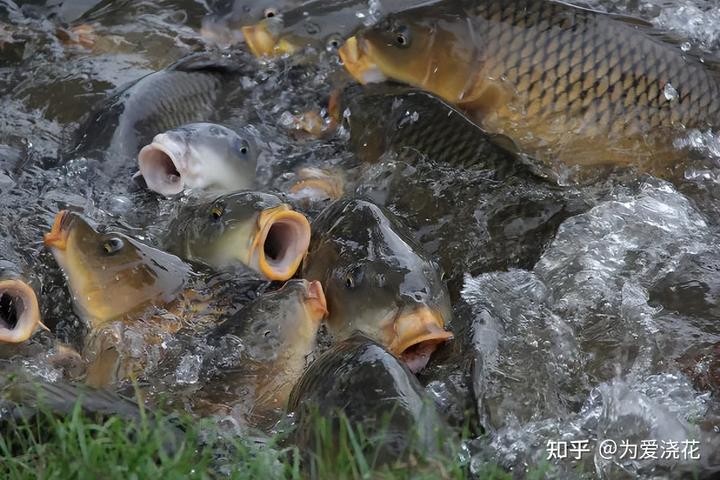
<point x="567" y="84"/>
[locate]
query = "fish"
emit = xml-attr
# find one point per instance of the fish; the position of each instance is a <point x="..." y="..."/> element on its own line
<point x="316" y="184"/>
<point x="224" y="27"/>
<point x="199" y="156"/>
<point x="318" y="24"/>
<point x="360" y="380"/>
<point x="190" y="90"/>
<point x="254" y="229"/>
<point x="24" y="398"/>
<point x="570" y="86"/>
<point x="21" y="393"/>
<point x="378" y="280"/>
<point x="263" y="350"/>
<point x="110" y="275"/>
<point x="20" y="314"/>
<point x="408" y="123"/>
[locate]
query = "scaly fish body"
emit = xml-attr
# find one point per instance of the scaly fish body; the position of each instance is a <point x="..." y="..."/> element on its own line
<point x="188" y="91"/>
<point x="565" y="83"/>
<point x="410" y="122"/>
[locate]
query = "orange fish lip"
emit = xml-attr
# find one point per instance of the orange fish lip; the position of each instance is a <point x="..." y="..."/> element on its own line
<point x="317" y="299"/>
<point x="259" y="39"/>
<point x="58" y="235"/>
<point x="28" y="318"/>
<point x="358" y="61"/>
<point x="421" y="325"/>
<point x="294" y="238"/>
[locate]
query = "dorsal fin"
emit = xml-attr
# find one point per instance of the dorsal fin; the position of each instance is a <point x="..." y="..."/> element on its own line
<point x="208" y="62"/>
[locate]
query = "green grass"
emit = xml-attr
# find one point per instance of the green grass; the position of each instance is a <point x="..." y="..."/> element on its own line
<point x="44" y="445"/>
<point x="79" y="447"/>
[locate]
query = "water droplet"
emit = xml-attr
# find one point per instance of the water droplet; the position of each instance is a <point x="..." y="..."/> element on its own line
<point x="685" y="47"/>
<point x="670" y="92"/>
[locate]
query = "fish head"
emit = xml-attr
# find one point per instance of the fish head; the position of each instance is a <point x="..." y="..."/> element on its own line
<point x="432" y="51"/>
<point x="319" y="24"/>
<point x="280" y="327"/>
<point x="110" y="274"/>
<point x="291" y="315"/>
<point x="19" y="310"/>
<point x="378" y="282"/>
<point x="226" y="29"/>
<point x="199" y="155"/>
<point x="265" y="38"/>
<point x="252" y="228"/>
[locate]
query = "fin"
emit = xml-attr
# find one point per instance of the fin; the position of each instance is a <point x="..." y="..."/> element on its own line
<point x="60" y="398"/>
<point x="208" y="62"/>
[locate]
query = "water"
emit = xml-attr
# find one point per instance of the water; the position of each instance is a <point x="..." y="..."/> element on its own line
<point x="582" y="313"/>
<point x="593" y="327"/>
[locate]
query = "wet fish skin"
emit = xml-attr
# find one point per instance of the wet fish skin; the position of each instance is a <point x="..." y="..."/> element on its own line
<point x="361" y="380"/>
<point x="224" y="25"/>
<point x="567" y="84"/>
<point x="275" y="334"/>
<point x="191" y="90"/>
<point x="22" y="397"/>
<point x="409" y="122"/>
<point x="251" y="228"/>
<point x="318" y="24"/>
<point x="201" y="156"/>
<point x="25" y="392"/>
<point x="376" y="278"/>
<point x="110" y="275"/>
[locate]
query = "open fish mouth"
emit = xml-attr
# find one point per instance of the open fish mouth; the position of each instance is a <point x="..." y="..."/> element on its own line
<point x="281" y="244"/>
<point x="358" y="61"/>
<point x="19" y="311"/>
<point x="58" y="235"/>
<point x="263" y="42"/>
<point x="418" y="333"/>
<point x="161" y="166"/>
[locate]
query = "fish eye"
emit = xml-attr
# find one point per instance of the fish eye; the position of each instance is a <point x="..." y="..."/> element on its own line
<point x="354" y="278"/>
<point x="270" y="12"/>
<point x="217" y="211"/>
<point x="113" y="245"/>
<point x="242" y="147"/>
<point x="334" y="42"/>
<point x="401" y="37"/>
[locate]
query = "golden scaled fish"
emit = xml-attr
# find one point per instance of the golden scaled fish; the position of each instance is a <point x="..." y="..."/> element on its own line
<point x="112" y="276"/>
<point x="565" y="83"/>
